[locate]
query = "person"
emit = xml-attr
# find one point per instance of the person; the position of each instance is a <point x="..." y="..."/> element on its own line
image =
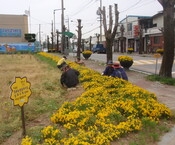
<point x="69" y="77"/>
<point x="79" y="61"/>
<point x="109" y="68"/>
<point x="61" y="62"/>
<point x="119" y="71"/>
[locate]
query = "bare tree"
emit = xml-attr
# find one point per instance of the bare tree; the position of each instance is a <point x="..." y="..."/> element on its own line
<point x="168" y="33"/>
<point x="109" y="33"/>
<point x="79" y="37"/>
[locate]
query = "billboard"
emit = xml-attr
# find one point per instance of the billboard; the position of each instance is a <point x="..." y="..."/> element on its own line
<point x="16" y="47"/>
<point x="10" y="32"/>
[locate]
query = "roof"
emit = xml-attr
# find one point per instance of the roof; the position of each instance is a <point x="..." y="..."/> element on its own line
<point x="136" y="16"/>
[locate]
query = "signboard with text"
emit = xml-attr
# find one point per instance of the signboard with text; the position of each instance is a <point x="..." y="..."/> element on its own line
<point x="4" y="32"/>
<point x="20" y="91"/>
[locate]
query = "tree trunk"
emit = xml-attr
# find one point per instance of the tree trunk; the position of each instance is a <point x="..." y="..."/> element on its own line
<point x="79" y="38"/>
<point x="109" y="34"/>
<point x="168" y="55"/>
<point x="109" y="50"/>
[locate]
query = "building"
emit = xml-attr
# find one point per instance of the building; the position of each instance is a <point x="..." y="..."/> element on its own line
<point x="140" y="33"/>
<point x="13" y="28"/>
<point x="12" y="34"/>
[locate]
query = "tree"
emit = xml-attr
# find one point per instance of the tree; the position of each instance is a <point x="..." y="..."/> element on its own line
<point x="79" y="38"/>
<point x="168" y="34"/>
<point x="109" y="33"/>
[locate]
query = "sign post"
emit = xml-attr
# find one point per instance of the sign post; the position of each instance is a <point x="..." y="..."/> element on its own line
<point x="20" y="93"/>
<point x="157" y="56"/>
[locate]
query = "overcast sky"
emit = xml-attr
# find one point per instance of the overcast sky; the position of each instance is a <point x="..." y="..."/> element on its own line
<point x="41" y="13"/>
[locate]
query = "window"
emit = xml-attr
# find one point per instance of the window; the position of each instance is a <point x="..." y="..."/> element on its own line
<point x="156" y="40"/>
<point x="129" y="27"/>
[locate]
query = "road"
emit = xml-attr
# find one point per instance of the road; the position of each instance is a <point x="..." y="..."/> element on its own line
<point x="143" y="63"/>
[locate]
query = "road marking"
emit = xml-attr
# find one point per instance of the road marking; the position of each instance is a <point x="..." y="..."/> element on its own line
<point x="142" y="62"/>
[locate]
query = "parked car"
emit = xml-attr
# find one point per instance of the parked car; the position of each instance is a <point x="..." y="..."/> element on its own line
<point x="98" y="48"/>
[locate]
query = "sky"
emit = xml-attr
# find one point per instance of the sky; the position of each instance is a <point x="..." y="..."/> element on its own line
<point x="42" y="13"/>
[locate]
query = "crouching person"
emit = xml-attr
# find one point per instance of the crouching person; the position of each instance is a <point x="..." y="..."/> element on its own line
<point x="61" y="62"/>
<point x="119" y="71"/>
<point x="69" y="77"/>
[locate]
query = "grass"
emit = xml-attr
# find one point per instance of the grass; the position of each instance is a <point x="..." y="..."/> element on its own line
<point x="46" y="97"/>
<point x="163" y="80"/>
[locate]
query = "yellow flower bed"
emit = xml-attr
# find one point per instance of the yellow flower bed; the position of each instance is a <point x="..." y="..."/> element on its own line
<point x="103" y="112"/>
<point x="160" y="50"/>
<point x="87" y="52"/>
<point x="124" y="58"/>
<point x="130" y="49"/>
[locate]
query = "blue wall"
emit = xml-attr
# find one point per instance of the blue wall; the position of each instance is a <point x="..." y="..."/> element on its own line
<point x="15" y="47"/>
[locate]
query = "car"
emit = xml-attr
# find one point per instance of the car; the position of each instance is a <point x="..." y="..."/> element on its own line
<point x="98" y="48"/>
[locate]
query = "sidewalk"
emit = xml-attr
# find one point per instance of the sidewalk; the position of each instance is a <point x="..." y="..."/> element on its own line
<point x="164" y="93"/>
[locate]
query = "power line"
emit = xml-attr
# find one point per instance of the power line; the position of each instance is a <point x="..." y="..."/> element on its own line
<point x="83" y="7"/>
<point x="91" y="30"/>
<point x="132" y="6"/>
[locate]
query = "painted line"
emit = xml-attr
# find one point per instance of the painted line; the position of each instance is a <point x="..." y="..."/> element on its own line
<point x="141" y="62"/>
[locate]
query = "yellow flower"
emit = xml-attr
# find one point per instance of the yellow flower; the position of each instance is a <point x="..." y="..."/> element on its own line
<point x="87" y="52"/>
<point x="130" y="49"/>
<point x="159" y="50"/>
<point x="125" y="58"/>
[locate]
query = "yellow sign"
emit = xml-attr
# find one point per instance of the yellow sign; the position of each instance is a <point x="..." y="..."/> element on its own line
<point x="20" y="91"/>
<point x="157" y="55"/>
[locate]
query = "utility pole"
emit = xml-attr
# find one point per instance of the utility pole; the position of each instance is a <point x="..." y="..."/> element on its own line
<point x="62" y="28"/>
<point x="52" y="38"/>
<point x="40" y="35"/>
<point x="99" y="13"/>
<point x="100" y="22"/>
<point x="122" y="29"/>
<point x="57" y="41"/>
<point x="90" y="40"/>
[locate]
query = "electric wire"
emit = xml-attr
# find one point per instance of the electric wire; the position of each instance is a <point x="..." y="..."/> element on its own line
<point x="131" y="7"/>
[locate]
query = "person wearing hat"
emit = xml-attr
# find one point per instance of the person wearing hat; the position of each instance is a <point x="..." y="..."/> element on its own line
<point x="119" y="71"/>
<point x="79" y="61"/>
<point x="109" y="69"/>
<point x="61" y="62"/>
<point x="69" y="77"/>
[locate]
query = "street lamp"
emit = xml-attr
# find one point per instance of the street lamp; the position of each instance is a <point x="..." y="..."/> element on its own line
<point x="99" y="12"/>
<point x="54" y="17"/>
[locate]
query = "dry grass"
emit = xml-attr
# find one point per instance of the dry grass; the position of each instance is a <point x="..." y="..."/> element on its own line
<point x="46" y="90"/>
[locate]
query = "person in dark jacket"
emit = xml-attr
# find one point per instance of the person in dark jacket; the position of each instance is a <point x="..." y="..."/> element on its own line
<point x="109" y="69"/>
<point x="119" y="71"/>
<point x="69" y="77"/>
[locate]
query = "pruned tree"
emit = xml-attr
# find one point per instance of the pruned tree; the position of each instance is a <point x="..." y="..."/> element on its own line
<point x="168" y="33"/>
<point x="79" y="37"/>
<point x="111" y="31"/>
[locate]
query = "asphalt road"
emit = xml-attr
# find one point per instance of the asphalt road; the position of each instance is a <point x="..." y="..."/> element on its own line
<point x="143" y="63"/>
